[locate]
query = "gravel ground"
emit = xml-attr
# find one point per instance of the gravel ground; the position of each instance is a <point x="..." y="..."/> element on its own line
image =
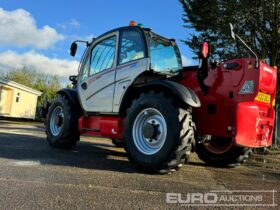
<point x="97" y="175"/>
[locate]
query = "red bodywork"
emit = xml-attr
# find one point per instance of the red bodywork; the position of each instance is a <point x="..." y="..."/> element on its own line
<point x="226" y="112"/>
<point x="102" y="126"/>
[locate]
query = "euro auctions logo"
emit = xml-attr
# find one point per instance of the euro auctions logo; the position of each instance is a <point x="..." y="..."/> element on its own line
<point x="192" y="198"/>
<point x="224" y="198"/>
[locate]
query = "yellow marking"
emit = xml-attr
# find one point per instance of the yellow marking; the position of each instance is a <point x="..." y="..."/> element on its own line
<point x="266" y="98"/>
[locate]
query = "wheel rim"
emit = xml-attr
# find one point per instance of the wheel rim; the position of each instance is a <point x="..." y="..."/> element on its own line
<point x="149" y="131"/>
<point x="218" y="145"/>
<point x="57" y="121"/>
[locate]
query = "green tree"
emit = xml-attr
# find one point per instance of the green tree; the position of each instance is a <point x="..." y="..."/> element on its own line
<point x="46" y="83"/>
<point x="258" y="22"/>
<point x="22" y="76"/>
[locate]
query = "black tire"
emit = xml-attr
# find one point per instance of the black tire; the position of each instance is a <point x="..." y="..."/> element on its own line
<point x="178" y="139"/>
<point x="69" y="131"/>
<point x="232" y="157"/>
<point x="118" y="143"/>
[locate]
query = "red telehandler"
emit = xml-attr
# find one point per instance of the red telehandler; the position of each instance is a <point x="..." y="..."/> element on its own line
<point x="132" y="87"/>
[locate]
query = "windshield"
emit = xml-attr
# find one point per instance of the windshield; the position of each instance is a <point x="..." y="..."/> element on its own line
<point x="165" y="57"/>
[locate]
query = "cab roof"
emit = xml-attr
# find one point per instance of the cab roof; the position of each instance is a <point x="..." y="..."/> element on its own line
<point x="134" y="28"/>
<point x="122" y="29"/>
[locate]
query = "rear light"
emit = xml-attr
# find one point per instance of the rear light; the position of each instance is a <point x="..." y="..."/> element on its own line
<point x="273" y="102"/>
<point x="205" y="50"/>
<point x="248" y="87"/>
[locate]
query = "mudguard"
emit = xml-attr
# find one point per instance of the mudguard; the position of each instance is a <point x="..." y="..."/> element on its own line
<point x="71" y="94"/>
<point x="187" y="95"/>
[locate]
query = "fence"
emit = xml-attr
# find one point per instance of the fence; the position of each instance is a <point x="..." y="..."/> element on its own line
<point x="277" y="127"/>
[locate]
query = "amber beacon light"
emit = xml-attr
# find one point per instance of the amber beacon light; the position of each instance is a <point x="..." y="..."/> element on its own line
<point x="132" y="23"/>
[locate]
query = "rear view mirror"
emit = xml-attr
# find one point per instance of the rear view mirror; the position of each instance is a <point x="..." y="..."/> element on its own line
<point x="73" y="78"/>
<point x="232" y="31"/>
<point x="73" y="49"/>
<point x="205" y="50"/>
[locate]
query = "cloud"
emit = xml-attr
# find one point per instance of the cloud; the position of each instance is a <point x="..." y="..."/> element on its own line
<point x="186" y="61"/>
<point x="11" y="60"/>
<point x="18" y="28"/>
<point x="72" y="24"/>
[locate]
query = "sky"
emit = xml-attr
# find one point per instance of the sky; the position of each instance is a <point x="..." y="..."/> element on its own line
<point x="38" y="34"/>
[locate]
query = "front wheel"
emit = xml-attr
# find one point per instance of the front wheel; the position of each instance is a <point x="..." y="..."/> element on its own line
<point x="62" y="124"/>
<point x="221" y="152"/>
<point x="118" y="143"/>
<point x="158" y="134"/>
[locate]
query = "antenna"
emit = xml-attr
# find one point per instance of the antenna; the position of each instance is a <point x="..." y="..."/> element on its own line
<point x="234" y="35"/>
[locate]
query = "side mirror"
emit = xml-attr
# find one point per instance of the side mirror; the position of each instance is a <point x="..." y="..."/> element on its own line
<point x="205" y="50"/>
<point x="73" y="78"/>
<point x="232" y="31"/>
<point x="73" y="49"/>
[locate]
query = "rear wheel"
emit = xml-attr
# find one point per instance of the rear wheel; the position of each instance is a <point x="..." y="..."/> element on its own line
<point x="158" y="134"/>
<point x="221" y="152"/>
<point x="62" y="124"/>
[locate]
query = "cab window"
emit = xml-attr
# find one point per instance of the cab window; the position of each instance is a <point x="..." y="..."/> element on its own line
<point x="85" y="68"/>
<point x="103" y="55"/>
<point x="165" y="57"/>
<point x="131" y="47"/>
<point x="100" y="58"/>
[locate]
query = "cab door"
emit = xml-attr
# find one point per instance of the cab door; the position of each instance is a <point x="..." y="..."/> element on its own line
<point x="96" y="80"/>
<point x="132" y="61"/>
